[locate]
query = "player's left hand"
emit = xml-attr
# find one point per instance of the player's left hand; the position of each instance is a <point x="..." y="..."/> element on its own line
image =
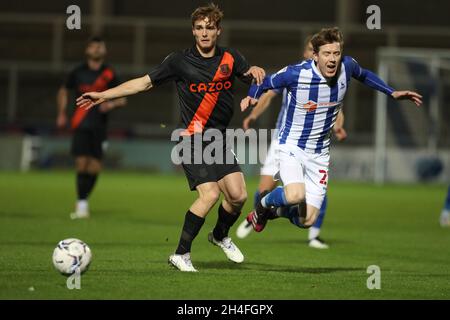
<point x="257" y="73"/>
<point x="410" y="95"/>
<point x="247" y="102"/>
<point x="340" y="133"/>
<point x="90" y="99"/>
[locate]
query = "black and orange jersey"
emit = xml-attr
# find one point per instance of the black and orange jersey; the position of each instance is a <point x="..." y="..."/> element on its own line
<point x="204" y="85"/>
<point x="82" y="79"/>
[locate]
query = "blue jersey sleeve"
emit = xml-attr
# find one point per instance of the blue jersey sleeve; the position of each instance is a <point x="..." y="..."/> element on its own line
<point x="278" y="81"/>
<point x="278" y="90"/>
<point x="367" y="77"/>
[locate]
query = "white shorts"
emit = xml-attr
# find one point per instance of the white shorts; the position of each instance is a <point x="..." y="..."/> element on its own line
<point x="295" y="165"/>
<point x="270" y="164"/>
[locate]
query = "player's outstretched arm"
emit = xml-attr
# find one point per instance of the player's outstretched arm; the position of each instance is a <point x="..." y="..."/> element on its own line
<point x="281" y="79"/>
<point x="259" y="109"/>
<point x="90" y="99"/>
<point x="257" y="73"/>
<point x="408" y="95"/>
<point x="370" y="79"/>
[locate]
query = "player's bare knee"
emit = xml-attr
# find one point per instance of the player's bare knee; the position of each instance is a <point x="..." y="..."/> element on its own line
<point x="210" y="196"/>
<point x="237" y="199"/>
<point x="81" y="164"/>
<point x="294" y="196"/>
<point x="94" y="165"/>
<point x="243" y="197"/>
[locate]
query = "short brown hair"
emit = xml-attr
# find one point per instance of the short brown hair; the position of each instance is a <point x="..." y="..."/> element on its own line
<point x="326" y="36"/>
<point x="95" y="39"/>
<point x="211" y="11"/>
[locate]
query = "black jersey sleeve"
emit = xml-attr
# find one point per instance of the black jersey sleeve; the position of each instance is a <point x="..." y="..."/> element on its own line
<point x="165" y="71"/>
<point x="241" y="66"/>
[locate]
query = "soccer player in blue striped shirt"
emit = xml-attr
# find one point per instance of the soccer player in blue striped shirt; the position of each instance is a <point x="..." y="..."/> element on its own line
<point x="269" y="169"/>
<point x="316" y="89"/>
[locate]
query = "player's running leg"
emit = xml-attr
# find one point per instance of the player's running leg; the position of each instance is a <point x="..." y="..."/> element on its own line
<point x="82" y="186"/>
<point x="445" y="214"/>
<point x="285" y="200"/>
<point x="255" y="220"/>
<point x="291" y="203"/>
<point x="266" y="182"/>
<point x="305" y="180"/>
<point x="314" y="241"/>
<point x="266" y="208"/>
<point x="235" y="195"/>
<point x="291" y="174"/>
<point x="208" y="195"/>
<point x="88" y="169"/>
<point x="290" y="171"/>
<point x="87" y="147"/>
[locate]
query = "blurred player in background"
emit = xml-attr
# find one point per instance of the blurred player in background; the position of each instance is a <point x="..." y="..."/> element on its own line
<point x="268" y="170"/>
<point x="316" y="89"/>
<point x="89" y="126"/>
<point x="204" y="76"/>
<point x="445" y="219"/>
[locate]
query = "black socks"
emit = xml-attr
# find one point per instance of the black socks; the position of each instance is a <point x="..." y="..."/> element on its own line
<point x="191" y="227"/>
<point x="224" y="223"/>
<point x="85" y="184"/>
<point x="193" y="224"/>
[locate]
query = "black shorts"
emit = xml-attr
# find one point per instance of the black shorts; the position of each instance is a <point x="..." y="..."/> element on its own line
<point x="89" y="142"/>
<point x="202" y="166"/>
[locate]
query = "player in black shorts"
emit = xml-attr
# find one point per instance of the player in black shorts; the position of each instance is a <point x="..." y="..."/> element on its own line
<point x="204" y="76"/>
<point x="89" y="126"/>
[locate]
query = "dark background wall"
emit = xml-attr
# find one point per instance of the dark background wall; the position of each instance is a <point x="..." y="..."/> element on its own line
<point x="272" y="46"/>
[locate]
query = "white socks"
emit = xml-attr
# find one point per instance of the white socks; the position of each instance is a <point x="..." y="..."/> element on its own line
<point x="313" y="233"/>
<point x="82" y="206"/>
<point x="445" y="218"/>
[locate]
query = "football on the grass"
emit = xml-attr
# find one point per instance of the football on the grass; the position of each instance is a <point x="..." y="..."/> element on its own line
<point x="70" y="255"/>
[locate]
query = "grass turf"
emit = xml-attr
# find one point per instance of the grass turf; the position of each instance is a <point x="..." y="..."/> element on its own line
<point x="137" y="218"/>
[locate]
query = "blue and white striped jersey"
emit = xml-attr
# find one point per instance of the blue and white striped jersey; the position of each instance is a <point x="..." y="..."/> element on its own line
<point x="282" y="113"/>
<point x="282" y="109"/>
<point x="312" y="103"/>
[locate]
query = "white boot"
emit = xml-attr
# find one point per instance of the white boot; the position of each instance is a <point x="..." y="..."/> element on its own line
<point x="229" y="248"/>
<point x="182" y="262"/>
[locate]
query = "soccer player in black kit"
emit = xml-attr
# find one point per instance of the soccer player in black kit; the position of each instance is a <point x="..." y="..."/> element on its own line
<point x="89" y="126"/>
<point x="204" y="76"/>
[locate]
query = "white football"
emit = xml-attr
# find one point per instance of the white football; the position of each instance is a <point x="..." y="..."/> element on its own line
<point x="71" y="254"/>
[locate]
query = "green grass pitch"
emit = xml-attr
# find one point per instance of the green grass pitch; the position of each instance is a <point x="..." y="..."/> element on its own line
<point x="137" y="218"/>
